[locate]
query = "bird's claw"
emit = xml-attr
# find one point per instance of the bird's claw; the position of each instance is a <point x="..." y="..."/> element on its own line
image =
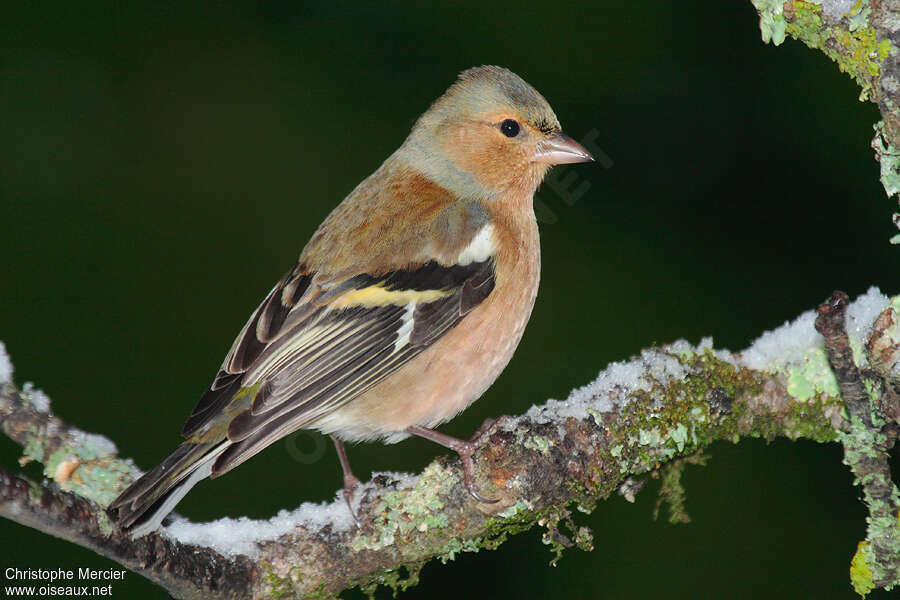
<point x="351" y="483"/>
<point x="469" y="474"/>
<point x="467" y="449"/>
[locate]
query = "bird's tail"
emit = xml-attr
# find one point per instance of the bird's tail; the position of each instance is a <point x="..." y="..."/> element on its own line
<point x="142" y="507"/>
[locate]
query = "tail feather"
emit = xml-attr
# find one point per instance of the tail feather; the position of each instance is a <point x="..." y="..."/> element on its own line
<point x="142" y="507"/>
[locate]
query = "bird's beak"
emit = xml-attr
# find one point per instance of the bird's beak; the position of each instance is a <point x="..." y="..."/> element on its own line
<point x="560" y="149"/>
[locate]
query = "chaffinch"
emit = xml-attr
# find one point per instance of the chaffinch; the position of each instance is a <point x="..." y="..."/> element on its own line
<point x="403" y="308"/>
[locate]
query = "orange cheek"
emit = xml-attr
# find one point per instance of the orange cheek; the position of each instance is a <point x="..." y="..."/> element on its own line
<point x="493" y="162"/>
<point x="503" y="165"/>
<point x="496" y="161"/>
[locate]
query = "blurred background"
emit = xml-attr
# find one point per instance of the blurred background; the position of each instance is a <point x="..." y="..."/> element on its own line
<point x="162" y="166"/>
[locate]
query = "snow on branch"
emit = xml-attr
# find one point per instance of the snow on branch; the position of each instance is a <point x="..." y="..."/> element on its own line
<point x="638" y="416"/>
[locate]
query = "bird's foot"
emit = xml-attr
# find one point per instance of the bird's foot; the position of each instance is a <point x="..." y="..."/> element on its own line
<point x="465" y="449"/>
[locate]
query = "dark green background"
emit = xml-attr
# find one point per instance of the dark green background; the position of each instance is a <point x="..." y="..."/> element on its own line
<point x="161" y="167"/>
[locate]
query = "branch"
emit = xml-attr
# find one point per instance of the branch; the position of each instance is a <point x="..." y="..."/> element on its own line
<point x="868" y="438"/>
<point x="635" y="419"/>
<point x="865" y="43"/>
<point x="83" y="476"/>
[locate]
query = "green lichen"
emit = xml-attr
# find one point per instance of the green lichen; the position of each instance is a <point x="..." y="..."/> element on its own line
<point x="860" y="573"/>
<point x="810" y="420"/>
<point x="861" y="448"/>
<point x="500" y="527"/>
<point x="539" y="443"/>
<point x="855" y="48"/>
<point x="771" y="20"/>
<point x="811" y="375"/>
<point x="649" y="437"/>
<point x="98" y="480"/>
<point x="558" y="541"/>
<point x="679" y="436"/>
<point x="665" y="424"/>
<point x="807" y="17"/>
<point x="401" y="512"/>
<point x="797" y="419"/>
<point x="105" y="524"/>
<point x="92" y="473"/>
<point x="858" y="17"/>
<point x="395" y="579"/>
<point x="851" y="43"/>
<point x="665" y="445"/>
<point x="34" y="448"/>
<point x="889" y="159"/>
<point x="672" y="492"/>
<point x="281" y="587"/>
<point x="457" y="545"/>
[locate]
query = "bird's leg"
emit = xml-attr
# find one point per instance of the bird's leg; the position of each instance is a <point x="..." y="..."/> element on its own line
<point x="350" y="480"/>
<point x="464" y="448"/>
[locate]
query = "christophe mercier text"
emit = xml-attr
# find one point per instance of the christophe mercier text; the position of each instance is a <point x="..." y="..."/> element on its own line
<point x="51" y="575"/>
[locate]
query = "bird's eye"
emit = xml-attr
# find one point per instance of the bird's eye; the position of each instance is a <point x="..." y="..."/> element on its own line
<point x="510" y="128"/>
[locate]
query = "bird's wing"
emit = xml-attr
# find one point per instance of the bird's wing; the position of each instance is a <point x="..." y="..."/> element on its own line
<point x="310" y="348"/>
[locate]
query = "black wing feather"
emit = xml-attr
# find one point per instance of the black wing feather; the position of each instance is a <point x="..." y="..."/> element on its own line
<point x="267" y="320"/>
<point x="307" y="367"/>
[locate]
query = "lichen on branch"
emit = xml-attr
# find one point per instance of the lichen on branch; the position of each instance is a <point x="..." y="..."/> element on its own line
<point x="862" y="37"/>
<point x="638" y="416"/>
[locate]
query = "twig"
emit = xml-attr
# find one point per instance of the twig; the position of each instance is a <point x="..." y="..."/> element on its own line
<point x="866" y="445"/>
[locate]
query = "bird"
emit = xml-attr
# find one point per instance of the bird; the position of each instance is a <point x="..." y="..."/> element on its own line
<point x="403" y="308"/>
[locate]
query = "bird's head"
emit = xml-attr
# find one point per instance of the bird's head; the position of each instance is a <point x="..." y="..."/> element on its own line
<point x="494" y="128"/>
